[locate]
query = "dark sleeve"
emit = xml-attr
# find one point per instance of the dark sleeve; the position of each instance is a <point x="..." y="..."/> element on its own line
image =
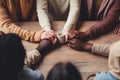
<point x="108" y="23"/>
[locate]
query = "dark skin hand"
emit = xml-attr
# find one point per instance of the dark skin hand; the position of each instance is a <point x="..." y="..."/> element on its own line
<point x="46" y="46"/>
<point x="78" y="34"/>
<point x="79" y="45"/>
<point x="1" y="33"/>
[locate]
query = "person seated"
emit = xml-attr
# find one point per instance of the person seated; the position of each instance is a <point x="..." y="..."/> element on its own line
<point x="12" y="11"/>
<point x="113" y="64"/>
<point x="106" y="12"/>
<point x="111" y="51"/>
<point x="58" y="10"/>
<point x="14" y="58"/>
<point x="64" y="71"/>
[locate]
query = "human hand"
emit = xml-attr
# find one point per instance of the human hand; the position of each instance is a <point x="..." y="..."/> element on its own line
<point x="1" y="33"/>
<point x="79" y="45"/>
<point x="76" y="44"/>
<point x="71" y="34"/>
<point x="77" y="34"/>
<point x="44" y="46"/>
<point x="50" y="35"/>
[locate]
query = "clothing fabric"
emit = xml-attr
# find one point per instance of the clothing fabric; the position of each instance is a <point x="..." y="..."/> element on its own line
<point x="29" y="74"/>
<point x="49" y="10"/>
<point x="107" y="15"/>
<point x="18" y="11"/>
<point x="114" y="59"/>
<point x="32" y="57"/>
<point x="117" y="29"/>
<point x="104" y="76"/>
<point x="101" y="49"/>
<point x="113" y="53"/>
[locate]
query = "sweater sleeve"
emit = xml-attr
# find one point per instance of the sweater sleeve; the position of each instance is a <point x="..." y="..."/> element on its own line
<point x="101" y="49"/>
<point x="73" y="15"/>
<point x="107" y="24"/>
<point x="8" y="26"/>
<point x="32" y="58"/>
<point x="42" y="12"/>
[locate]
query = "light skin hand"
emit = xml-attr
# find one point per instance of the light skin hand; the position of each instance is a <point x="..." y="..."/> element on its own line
<point x="49" y="35"/>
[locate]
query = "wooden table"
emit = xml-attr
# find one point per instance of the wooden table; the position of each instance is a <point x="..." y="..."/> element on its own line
<point x="87" y="63"/>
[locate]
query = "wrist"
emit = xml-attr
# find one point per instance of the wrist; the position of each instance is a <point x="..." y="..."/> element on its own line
<point x="47" y="28"/>
<point x="87" y="37"/>
<point x="88" y="47"/>
<point x="64" y="32"/>
<point x="39" y="50"/>
<point x="44" y="46"/>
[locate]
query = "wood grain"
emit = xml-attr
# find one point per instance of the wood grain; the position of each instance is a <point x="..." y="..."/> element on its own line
<point x="87" y="63"/>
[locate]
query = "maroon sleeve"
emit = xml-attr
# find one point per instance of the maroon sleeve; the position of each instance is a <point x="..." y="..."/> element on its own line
<point x="108" y="23"/>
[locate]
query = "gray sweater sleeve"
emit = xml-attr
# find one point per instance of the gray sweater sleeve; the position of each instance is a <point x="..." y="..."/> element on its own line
<point x="101" y="49"/>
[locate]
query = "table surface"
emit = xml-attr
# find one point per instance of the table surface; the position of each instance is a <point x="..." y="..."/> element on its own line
<point x="87" y="63"/>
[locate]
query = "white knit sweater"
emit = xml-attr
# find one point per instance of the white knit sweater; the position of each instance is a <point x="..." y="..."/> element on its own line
<point x="49" y="10"/>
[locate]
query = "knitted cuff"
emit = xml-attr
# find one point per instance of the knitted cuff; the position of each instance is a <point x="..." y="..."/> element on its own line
<point x="47" y="28"/>
<point x="32" y="58"/>
<point x="101" y="49"/>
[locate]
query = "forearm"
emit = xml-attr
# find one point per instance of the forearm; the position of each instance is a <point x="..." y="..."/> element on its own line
<point x="28" y="35"/>
<point x="109" y="22"/>
<point x="42" y="10"/>
<point x="102" y="27"/>
<point x="101" y="49"/>
<point x="41" y="50"/>
<point x="73" y="15"/>
<point x="8" y="26"/>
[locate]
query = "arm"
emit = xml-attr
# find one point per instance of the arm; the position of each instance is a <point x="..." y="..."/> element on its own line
<point x="42" y="11"/>
<point x="9" y="27"/>
<point x="32" y="57"/>
<point x="107" y="24"/>
<point x="73" y="15"/>
<point x="99" y="49"/>
<point x="35" y="55"/>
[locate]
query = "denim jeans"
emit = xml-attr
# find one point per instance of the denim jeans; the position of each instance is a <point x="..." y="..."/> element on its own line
<point x="104" y="76"/>
<point x="29" y="74"/>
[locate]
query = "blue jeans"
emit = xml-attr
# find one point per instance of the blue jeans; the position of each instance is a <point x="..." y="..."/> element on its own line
<point x="104" y="76"/>
<point x="29" y="74"/>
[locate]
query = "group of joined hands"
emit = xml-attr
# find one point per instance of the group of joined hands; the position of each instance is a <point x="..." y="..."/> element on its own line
<point x="74" y="39"/>
<point x="50" y="39"/>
